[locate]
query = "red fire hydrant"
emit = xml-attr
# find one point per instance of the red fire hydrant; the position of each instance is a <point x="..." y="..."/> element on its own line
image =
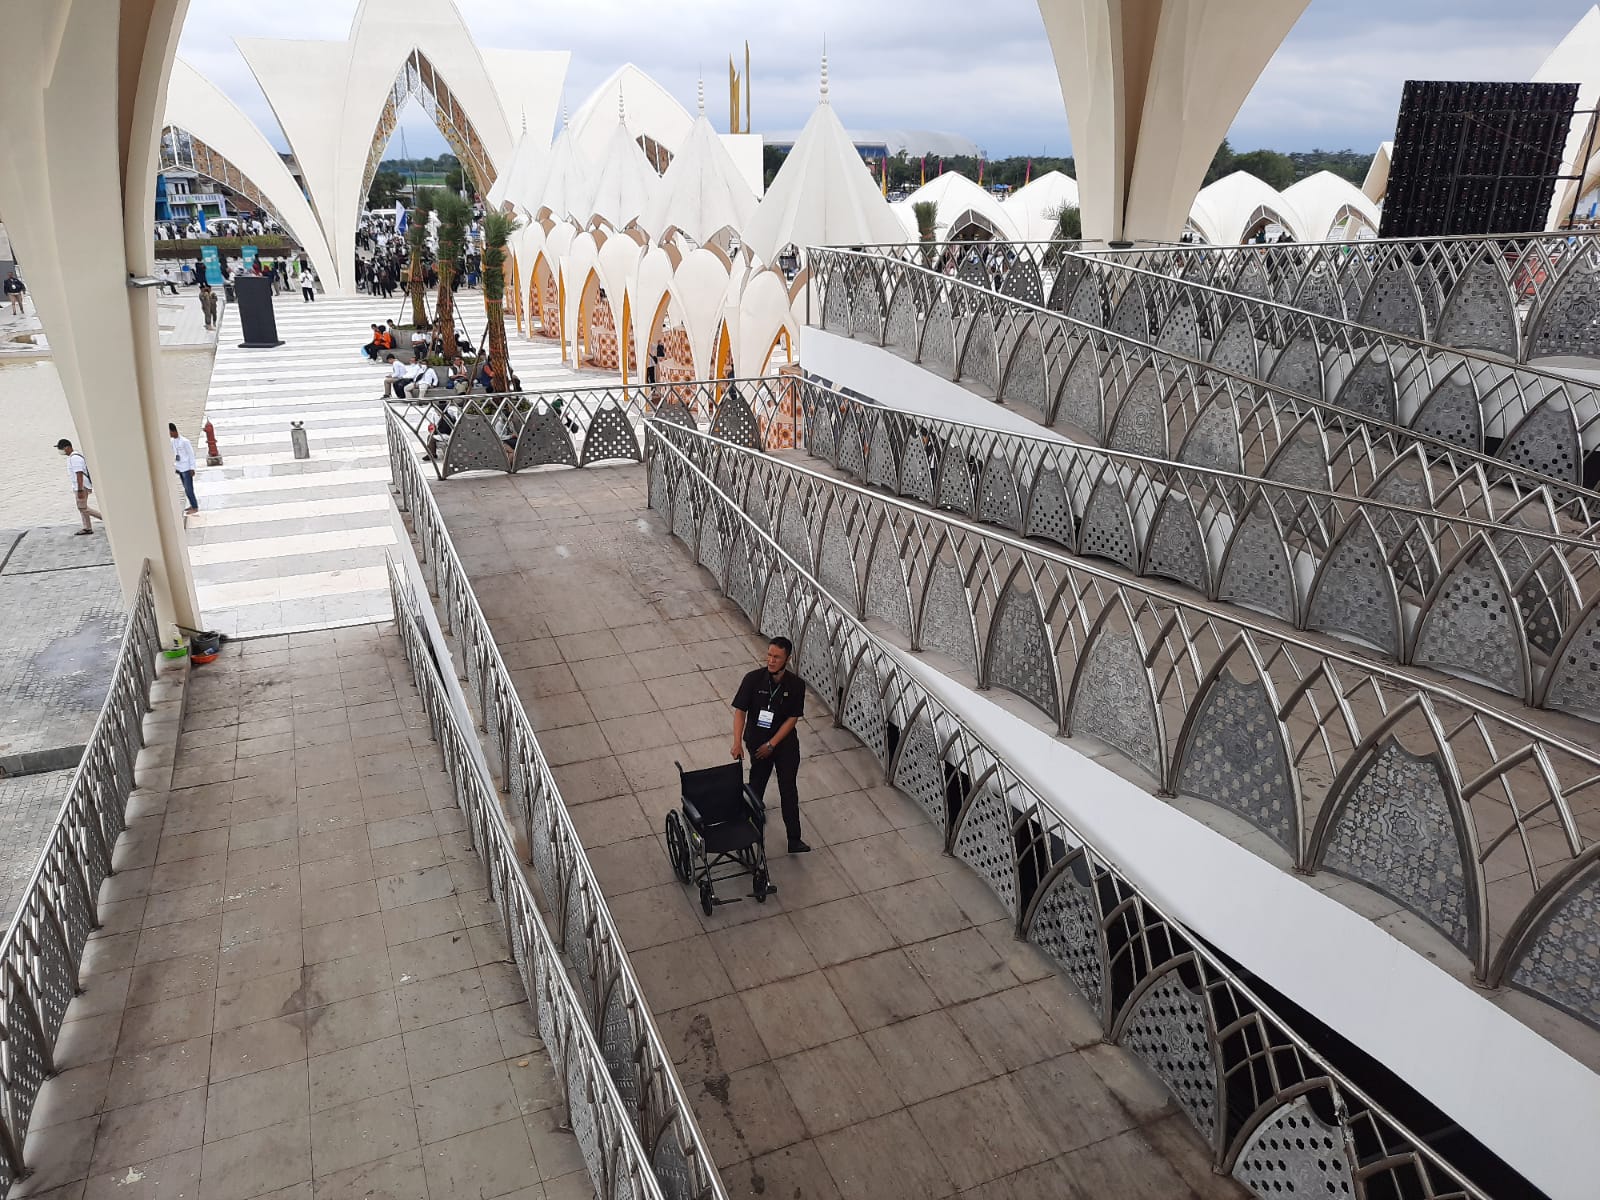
<point x="213" y="456"/>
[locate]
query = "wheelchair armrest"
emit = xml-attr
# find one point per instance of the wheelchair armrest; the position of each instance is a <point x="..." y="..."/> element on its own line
<point x="757" y="807"/>
<point x="693" y="815"/>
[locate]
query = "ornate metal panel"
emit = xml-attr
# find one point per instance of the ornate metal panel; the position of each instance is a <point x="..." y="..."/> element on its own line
<point x="919" y="771"/>
<point x="1546" y="441"/>
<point x="836" y="306"/>
<point x="1107" y="530"/>
<point x="1140" y="426"/>
<point x="938" y="338"/>
<point x="1452" y="412"/>
<point x="658" y="485"/>
<point x="1112" y="699"/>
<point x="1318" y="294"/>
<point x="794" y="535"/>
<point x="1298" y="367"/>
<point x="1066" y="926"/>
<point x="1573" y="684"/>
<point x="978" y="363"/>
<point x="866" y="306"/>
<point x="1024" y="383"/>
<point x="1255" y="571"/>
<point x="475" y="445"/>
<point x="1132" y="315"/>
<point x="1180" y="331"/>
<point x="887" y="597"/>
<point x="675" y="412"/>
<point x="852" y="449"/>
<point x="1236" y="348"/>
<point x="1480" y="313"/>
<point x="544" y="442"/>
<point x="1470" y="625"/>
<point x="617" y="1046"/>
<point x="956" y="484"/>
<point x="755" y="504"/>
<point x="671" y="1169"/>
<point x="1082" y="403"/>
<point x="900" y="328"/>
<point x="734" y="421"/>
<point x="998" y="501"/>
<point x="984" y="842"/>
<point x="835" y="568"/>
<point x="819" y="430"/>
<point x="610" y="435"/>
<point x="1355" y="592"/>
<point x="684" y="512"/>
<point x="1370" y="388"/>
<point x="945" y="624"/>
<point x="1392" y="302"/>
<point x="882" y="469"/>
<point x="1089" y="302"/>
<point x="1049" y="513"/>
<point x="1235" y="757"/>
<point x="916" y="470"/>
<point x="1295" y="1153"/>
<point x="713" y="549"/>
<point x="862" y="710"/>
<point x="1168" y="1029"/>
<point x="1302" y="459"/>
<point x="1568" y="321"/>
<point x="1066" y="283"/>
<point x="1213" y="440"/>
<point x="1019" y="657"/>
<point x="1561" y="962"/>
<point x="1174" y="548"/>
<point x="776" y="619"/>
<point x="743" y="587"/>
<point x="1394" y="830"/>
<point x="1022" y="281"/>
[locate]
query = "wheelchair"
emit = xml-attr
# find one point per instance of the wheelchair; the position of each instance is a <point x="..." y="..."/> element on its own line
<point x="719" y="834"/>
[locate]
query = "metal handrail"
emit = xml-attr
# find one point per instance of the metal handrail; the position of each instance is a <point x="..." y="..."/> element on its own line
<point x="1109" y="939"/>
<point x="635" y="1051"/>
<point x="1058" y="631"/>
<point x="45" y="939"/>
<point x="616" y="1161"/>
<point x="1355" y="567"/>
<point x="1203" y="412"/>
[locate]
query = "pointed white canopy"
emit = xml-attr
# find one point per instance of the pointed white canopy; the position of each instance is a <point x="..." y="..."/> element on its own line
<point x="703" y="190"/>
<point x="565" y="185"/>
<point x="520" y="181"/>
<point x="626" y="182"/>
<point x="1227" y="209"/>
<point x="1575" y="60"/>
<point x="652" y="112"/>
<point x="1324" y="201"/>
<point x="1033" y="208"/>
<point x="963" y="203"/>
<point x="1376" y="185"/>
<point x="823" y="195"/>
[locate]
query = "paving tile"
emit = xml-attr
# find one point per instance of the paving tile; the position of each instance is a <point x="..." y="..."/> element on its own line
<point x="1006" y="1139"/>
<point x="881" y="989"/>
<point x="244" y="1003"/>
<point x="444" y="998"/>
<point x="763" y="952"/>
<point x="255" y="1047"/>
<point x="797" y="1014"/>
<point x="461" y="1103"/>
<point x="251" y="1102"/>
<point x="961" y="966"/>
<point x="451" y="1046"/>
<point x="750" y="1114"/>
<point x="365" y="1130"/>
<point x="886" y="1159"/>
<point x="481" y="1164"/>
<point x="176" y="1019"/>
<point x="256" y="1163"/>
<point x="346" y="1023"/>
<point x="794" y="1172"/>
<point x="926" y="1056"/>
<point x="399" y="1177"/>
<point x="836" y="1085"/>
<point x="369" y="1069"/>
<point x="161" y="1071"/>
<point x="170" y="1177"/>
<point x="680" y="973"/>
<point x="842" y="930"/>
<point x="1017" y="1028"/>
<point x="151" y="1129"/>
<point x="918" y="910"/>
<point x="1071" y="1103"/>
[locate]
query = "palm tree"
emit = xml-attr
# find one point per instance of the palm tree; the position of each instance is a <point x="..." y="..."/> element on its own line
<point x="497" y="230"/>
<point x="417" y="243"/>
<point x="454" y="215"/>
<point x="926" y="213"/>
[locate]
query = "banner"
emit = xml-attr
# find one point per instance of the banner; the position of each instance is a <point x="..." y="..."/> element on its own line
<point x="247" y="255"/>
<point x="399" y="217"/>
<point x="212" y="264"/>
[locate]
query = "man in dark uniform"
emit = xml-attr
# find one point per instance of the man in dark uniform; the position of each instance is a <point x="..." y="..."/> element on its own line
<point x="767" y="707"/>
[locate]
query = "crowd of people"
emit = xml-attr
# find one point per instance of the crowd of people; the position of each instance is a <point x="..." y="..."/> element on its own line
<point x="240" y="225"/>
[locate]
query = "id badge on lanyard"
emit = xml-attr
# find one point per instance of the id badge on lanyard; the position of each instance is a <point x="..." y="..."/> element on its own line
<point x="766" y="716"/>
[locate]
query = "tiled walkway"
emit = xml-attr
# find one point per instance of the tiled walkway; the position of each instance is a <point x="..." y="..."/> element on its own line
<point x="873" y="1031"/>
<point x="279" y="544"/>
<point x="297" y="991"/>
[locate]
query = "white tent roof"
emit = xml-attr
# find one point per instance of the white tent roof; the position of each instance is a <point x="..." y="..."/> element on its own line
<point x="960" y="200"/>
<point x="1576" y="59"/>
<point x="626" y="182"/>
<point x="1224" y="210"/>
<point x="1324" y="200"/>
<point x="702" y="191"/>
<point x="519" y="182"/>
<point x="1033" y="208"/>
<point x="651" y="112"/>
<point x="823" y="195"/>
<point x="564" y="185"/>
<point x="1376" y="185"/>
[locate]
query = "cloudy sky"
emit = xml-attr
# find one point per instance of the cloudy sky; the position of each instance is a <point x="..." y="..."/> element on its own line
<point x="980" y="70"/>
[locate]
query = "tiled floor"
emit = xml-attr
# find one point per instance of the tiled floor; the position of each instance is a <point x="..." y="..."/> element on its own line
<point x="297" y="991"/>
<point x="872" y="1032"/>
<point x="282" y="544"/>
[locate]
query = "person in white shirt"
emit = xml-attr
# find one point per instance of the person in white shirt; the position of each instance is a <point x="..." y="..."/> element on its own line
<point x="183" y="463"/>
<point x="308" y="285"/>
<point x="399" y="376"/>
<point x="426" y="377"/>
<point x="82" y="485"/>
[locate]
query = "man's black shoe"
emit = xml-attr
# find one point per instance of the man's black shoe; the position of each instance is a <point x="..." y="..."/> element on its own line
<point x="799" y="847"/>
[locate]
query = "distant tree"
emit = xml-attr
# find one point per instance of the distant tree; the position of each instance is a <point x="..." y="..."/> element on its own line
<point x="1274" y="169"/>
<point x="1221" y="163"/>
<point x="386" y="186"/>
<point x="1069" y="223"/>
<point x="454" y="216"/>
<point x="458" y="180"/>
<point x="926" y="213"/>
<point x="771" y="161"/>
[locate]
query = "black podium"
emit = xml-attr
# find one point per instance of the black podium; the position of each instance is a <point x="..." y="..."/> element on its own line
<point x="256" y="318"/>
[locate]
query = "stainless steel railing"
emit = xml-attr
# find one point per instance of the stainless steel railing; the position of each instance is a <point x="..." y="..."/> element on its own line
<point x="1473" y="818"/>
<point x="58" y="910"/>
<point x="613" y="1002"/>
<point x="601" y="1120"/>
<point x="1243" y="1077"/>
<point x="1067" y="369"/>
<point x="1358" y="567"/>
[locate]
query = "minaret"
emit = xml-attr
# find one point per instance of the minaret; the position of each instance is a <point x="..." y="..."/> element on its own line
<point x="824" y="73"/>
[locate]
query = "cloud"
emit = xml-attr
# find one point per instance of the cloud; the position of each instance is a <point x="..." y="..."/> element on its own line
<point x="983" y="72"/>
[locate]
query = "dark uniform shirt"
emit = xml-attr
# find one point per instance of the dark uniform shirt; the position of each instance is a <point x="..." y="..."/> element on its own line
<point x="757" y="693"/>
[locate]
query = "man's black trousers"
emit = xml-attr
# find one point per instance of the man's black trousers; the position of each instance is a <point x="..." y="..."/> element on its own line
<point x="785" y="757"/>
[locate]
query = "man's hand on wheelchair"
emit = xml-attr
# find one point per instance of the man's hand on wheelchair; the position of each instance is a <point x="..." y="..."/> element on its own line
<point x="738" y="751"/>
<point x="764" y="750"/>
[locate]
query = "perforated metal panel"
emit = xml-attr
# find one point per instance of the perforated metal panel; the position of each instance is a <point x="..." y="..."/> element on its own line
<point x="1396" y="833"/>
<point x="955" y="481"/>
<point x="1021" y="659"/>
<point x="610" y="435"/>
<point x="1452" y="412"/>
<point x="1080" y="404"/>
<point x="886" y="587"/>
<point x="1132" y="315"/>
<point x="882" y="469"/>
<point x="946" y="620"/>
<point x="916" y="471"/>
<point x="1174" y="547"/>
<point x="1471" y="626"/>
<point x="794" y="536"/>
<point x="938" y="339"/>
<point x="1236" y="758"/>
<point x="672" y="1169"/>
<point x="1236" y="349"/>
<point x="617" y="1047"/>
<point x="1066" y="926"/>
<point x="1546" y="441"/>
<point x="1295" y="1153"/>
<point x="836" y="306"/>
<point x="900" y="329"/>
<point x="1574" y="684"/>
<point x="862" y="710"/>
<point x="1022" y="282"/>
<point x="1167" y="1028"/>
<point x="919" y="771"/>
<point x="1255" y="572"/>
<point x="983" y="841"/>
<point x="775" y="616"/>
<point x="1568" y="322"/>
<point x="1049" y="514"/>
<point x="1355" y="592"/>
<point x="1113" y="700"/>
<point x="1213" y="439"/>
<point x="1370" y="389"/>
<point x="1180" y="331"/>
<point x="998" y="502"/>
<point x="1107" y="530"/>
<point x="1480" y="314"/>
<point x="978" y="365"/>
<point x="835" y="567"/>
<point x="1392" y="302"/>
<point x="1562" y="961"/>
<point x="544" y="442"/>
<point x="1298" y="368"/>
<point x="814" y="660"/>
<point x="1140" y="425"/>
<point x="1024" y="384"/>
<point x="735" y="422"/>
<point x="474" y="446"/>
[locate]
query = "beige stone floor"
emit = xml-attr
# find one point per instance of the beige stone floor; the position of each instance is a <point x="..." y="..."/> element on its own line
<point x="298" y="990"/>
<point x="872" y="1032"/>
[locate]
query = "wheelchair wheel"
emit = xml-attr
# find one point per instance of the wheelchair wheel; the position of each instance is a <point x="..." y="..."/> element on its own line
<point x="707" y="898"/>
<point x="760" y="886"/>
<point x="678" y="847"/>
